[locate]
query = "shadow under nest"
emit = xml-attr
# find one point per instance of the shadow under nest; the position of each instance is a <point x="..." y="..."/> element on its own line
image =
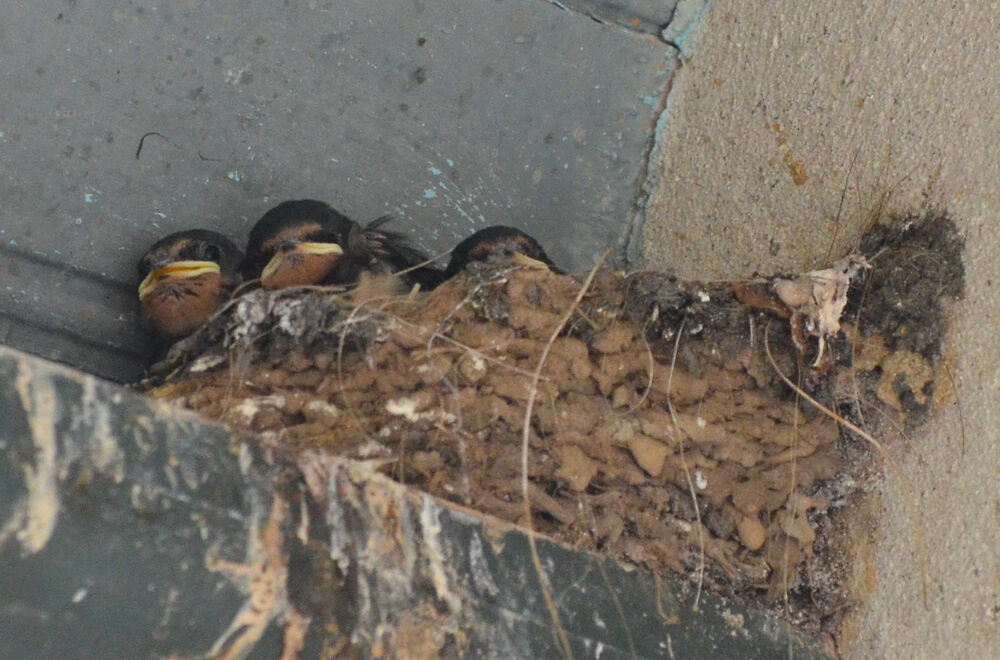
<point x="661" y="434"/>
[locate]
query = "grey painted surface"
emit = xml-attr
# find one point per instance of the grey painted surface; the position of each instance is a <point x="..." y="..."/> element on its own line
<point x="451" y="115"/>
<point x="643" y="15"/>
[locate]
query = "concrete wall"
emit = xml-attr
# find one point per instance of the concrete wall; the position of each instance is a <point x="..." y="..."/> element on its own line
<point x="784" y="109"/>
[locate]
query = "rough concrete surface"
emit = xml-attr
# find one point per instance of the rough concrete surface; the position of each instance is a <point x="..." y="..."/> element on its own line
<point x="784" y="109"/>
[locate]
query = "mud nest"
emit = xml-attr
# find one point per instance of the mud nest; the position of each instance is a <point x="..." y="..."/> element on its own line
<point x="660" y="435"/>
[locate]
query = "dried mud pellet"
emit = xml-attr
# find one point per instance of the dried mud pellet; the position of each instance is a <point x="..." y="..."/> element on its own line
<point x="349" y="381"/>
<point x="680" y="503"/>
<point x="472" y="367"/>
<point x="797" y="526"/>
<point x="782" y="411"/>
<point x="748" y="496"/>
<point x="464" y="397"/>
<point x="502" y="508"/>
<point x="269" y="377"/>
<point x="819" y="431"/>
<point x="616" y="430"/>
<point x="650" y="454"/>
<point x="714" y="484"/>
<point x="613" y="370"/>
<point x="657" y="424"/>
<point x="622" y="397"/>
<point x="733" y="364"/>
<point x="303" y="431"/>
<point x="535" y="322"/>
<point x="621" y="464"/>
<point x="608" y="528"/>
<point x="577" y="412"/>
<point x="718" y="523"/>
<point x="409" y="338"/>
<point x="390" y="381"/>
<point x="751" y="532"/>
<point x="321" y="411"/>
<point x="799" y="501"/>
<point x="684" y="388"/>
<point x="571" y="347"/>
<point x="433" y="370"/>
<point x="591" y="445"/>
<point x="904" y="371"/>
<point x="737" y="450"/>
<point x="513" y="418"/>
<point x="755" y="366"/>
<point x="309" y="379"/>
<point x="613" y="339"/>
<point x="634" y="550"/>
<point x="575" y="467"/>
<point x="697" y="429"/>
<point x="323" y="359"/>
<point x="483" y="336"/>
<point x="294" y="400"/>
<point x="693" y="459"/>
<point x="751" y="425"/>
<point x="518" y="386"/>
<point x="728" y="381"/>
<point x="267" y="419"/>
<point x="482" y="413"/>
<point x="540" y="500"/>
<point x="426" y="462"/>
<point x="804" y="447"/>
<point x="650" y="526"/>
<point x="297" y="360"/>
<point x="568" y="364"/>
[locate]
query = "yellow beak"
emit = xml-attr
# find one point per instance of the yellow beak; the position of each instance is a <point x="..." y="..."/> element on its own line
<point x="318" y="249"/>
<point x="175" y="270"/>
<point x="524" y="260"/>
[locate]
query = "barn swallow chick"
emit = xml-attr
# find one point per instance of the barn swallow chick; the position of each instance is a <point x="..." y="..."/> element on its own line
<point x="391" y="252"/>
<point x="499" y="244"/>
<point x="186" y="276"/>
<point x="307" y="242"/>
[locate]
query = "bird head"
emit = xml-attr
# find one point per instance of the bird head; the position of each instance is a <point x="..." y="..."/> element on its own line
<point x="185" y="277"/>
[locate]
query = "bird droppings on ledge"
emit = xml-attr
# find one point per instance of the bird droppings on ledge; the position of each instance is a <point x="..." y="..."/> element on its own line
<point x="661" y="435"/>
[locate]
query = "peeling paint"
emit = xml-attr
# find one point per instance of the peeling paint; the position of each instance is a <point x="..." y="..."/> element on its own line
<point x="263" y="579"/>
<point x="482" y="578"/>
<point x="105" y="453"/>
<point x="35" y="513"/>
<point x="431" y="529"/>
<point x="336" y="520"/>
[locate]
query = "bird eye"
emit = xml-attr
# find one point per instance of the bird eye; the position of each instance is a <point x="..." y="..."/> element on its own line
<point x="213" y="252"/>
